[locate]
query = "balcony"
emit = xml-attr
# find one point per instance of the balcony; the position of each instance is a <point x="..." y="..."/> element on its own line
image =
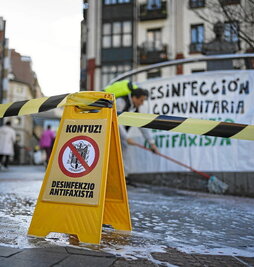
<point x="151" y="53"/>
<point x="153" y="12"/>
<point x="196" y="48"/>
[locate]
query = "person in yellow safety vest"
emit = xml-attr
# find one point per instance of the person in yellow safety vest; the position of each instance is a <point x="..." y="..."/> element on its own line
<point x="121" y="88"/>
<point x="129" y="98"/>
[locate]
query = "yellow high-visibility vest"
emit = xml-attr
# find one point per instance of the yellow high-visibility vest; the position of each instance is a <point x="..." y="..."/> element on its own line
<point x="121" y="88"/>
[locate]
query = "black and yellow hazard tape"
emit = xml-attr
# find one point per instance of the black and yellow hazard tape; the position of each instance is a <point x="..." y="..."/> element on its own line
<point x="152" y="121"/>
<point x="47" y="103"/>
<point x="187" y="125"/>
<point x="31" y="106"/>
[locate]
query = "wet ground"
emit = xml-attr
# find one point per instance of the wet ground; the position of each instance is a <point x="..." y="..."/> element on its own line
<point x="161" y="218"/>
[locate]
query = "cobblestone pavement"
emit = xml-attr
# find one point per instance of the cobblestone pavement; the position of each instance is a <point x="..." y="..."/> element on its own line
<point x="170" y="228"/>
<point x="68" y="256"/>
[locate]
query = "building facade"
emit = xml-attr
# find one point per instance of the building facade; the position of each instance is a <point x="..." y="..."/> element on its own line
<point x="23" y="85"/>
<point x="120" y="35"/>
<point x="3" y="61"/>
<point x="18" y="82"/>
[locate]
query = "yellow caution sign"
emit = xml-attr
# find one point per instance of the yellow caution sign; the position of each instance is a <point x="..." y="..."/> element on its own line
<point x="84" y="185"/>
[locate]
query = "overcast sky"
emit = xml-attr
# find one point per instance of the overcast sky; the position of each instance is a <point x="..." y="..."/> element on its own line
<point x="49" y="32"/>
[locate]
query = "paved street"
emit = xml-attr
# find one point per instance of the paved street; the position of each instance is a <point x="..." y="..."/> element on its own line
<point x="170" y="228"/>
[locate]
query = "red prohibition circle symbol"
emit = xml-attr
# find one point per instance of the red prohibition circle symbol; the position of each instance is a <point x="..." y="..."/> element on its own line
<point x="78" y="156"/>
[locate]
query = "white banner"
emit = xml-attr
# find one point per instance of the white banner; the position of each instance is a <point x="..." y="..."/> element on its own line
<point x="220" y="95"/>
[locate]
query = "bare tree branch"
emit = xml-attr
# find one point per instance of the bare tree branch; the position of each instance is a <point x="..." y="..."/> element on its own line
<point x="216" y="10"/>
<point x="241" y="34"/>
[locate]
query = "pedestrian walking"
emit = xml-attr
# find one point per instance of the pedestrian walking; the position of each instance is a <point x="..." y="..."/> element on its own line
<point x="130" y="98"/>
<point x="7" y="140"/>
<point x="46" y="142"/>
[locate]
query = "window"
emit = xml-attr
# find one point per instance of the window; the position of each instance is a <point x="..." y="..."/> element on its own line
<point x="196" y="3"/>
<point x="231" y="30"/>
<point x="85" y="5"/>
<point x="113" y="2"/>
<point x="117" y="34"/>
<point x="110" y="2"/>
<point x="153" y="37"/>
<point x="111" y="71"/>
<point x="153" y="4"/>
<point x="197" y="37"/>
<point x="197" y="33"/>
<point x="106" y="39"/>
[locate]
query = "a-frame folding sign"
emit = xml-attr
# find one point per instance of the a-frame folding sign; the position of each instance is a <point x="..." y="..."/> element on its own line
<point x="84" y="185"/>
